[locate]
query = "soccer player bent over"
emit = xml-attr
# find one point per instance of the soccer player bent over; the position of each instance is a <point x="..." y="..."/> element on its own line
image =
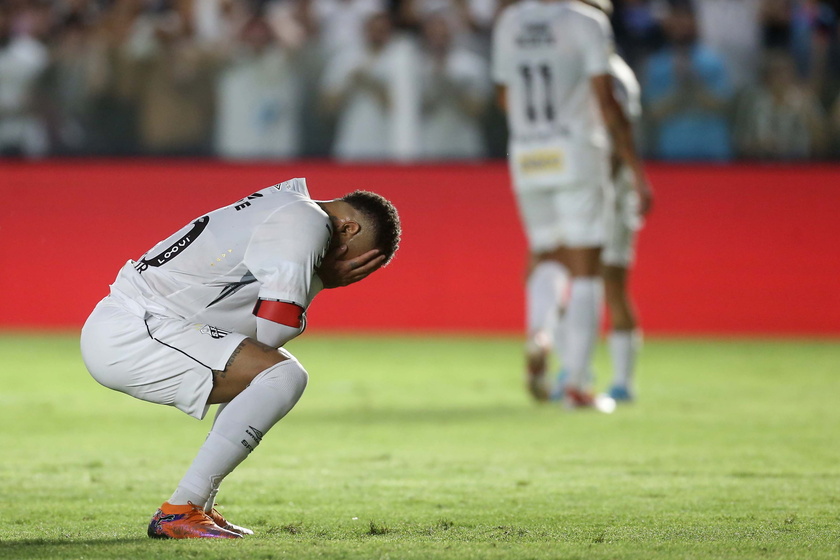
<point x="202" y="317"/>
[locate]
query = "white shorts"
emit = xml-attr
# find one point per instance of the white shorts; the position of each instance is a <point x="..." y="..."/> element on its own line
<point x="623" y="223"/>
<point x="157" y="359"/>
<point x="572" y="217"/>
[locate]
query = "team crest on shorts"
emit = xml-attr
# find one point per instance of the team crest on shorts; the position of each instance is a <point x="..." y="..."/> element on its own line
<point x="213" y="331"/>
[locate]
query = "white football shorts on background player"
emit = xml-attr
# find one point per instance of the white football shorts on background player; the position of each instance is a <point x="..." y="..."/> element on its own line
<point x="158" y="359"/>
<point x="571" y="217"/>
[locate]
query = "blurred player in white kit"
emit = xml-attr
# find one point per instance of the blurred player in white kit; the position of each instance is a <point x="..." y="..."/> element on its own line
<point x="201" y="319"/>
<point x="551" y="63"/>
<point x="623" y="222"/>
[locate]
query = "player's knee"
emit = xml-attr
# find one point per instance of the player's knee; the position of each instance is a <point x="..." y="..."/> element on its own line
<point x="298" y="376"/>
<point x="288" y="375"/>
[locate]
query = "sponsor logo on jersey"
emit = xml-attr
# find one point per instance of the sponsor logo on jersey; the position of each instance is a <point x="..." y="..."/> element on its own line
<point x="214" y="331"/>
<point x="175" y="248"/>
<point x="541" y="161"/>
<point x="535" y="35"/>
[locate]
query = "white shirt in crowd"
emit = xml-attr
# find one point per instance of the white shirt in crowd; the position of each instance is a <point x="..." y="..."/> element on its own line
<point x="259" y="102"/>
<point x="365" y="126"/>
<point x="341" y="22"/>
<point x="21" y="62"/>
<point x="447" y="131"/>
<point x="732" y="29"/>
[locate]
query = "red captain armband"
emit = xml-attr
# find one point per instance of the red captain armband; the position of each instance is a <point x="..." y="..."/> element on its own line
<point x="281" y="312"/>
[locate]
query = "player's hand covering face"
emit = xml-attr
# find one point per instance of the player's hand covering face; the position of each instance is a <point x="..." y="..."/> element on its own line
<point x="336" y="272"/>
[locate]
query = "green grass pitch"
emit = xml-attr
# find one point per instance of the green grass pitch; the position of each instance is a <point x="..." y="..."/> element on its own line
<point x="427" y="448"/>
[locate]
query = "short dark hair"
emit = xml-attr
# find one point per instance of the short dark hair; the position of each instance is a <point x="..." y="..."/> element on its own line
<point x="383" y="216"/>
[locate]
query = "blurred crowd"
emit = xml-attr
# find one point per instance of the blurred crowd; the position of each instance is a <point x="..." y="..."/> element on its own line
<point x="394" y="79"/>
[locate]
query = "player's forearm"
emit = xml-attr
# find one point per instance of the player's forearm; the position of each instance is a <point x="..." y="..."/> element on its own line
<point x="621" y="133"/>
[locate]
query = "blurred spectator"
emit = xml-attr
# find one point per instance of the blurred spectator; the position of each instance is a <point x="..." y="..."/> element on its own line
<point x="22" y="59"/>
<point x="339" y="24"/>
<point x="687" y="91"/>
<point x="65" y="88"/>
<point x="780" y="119"/>
<point x="259" y="97"/>
<point x="358" y="89"/>
<point x="470" y="21"/>
<point x="777" y="23"/>
<point x="638" y="29"/>
<point x="731" y="28"/>
<point x="455" y="88"/>
<point x="218" y="21"/>
<point x="825" y="50"/>
<point x="173" y="79"/>
<point x="835" y="128"/>
<point x="203" y="77"/>
<point x="112" y="88"/>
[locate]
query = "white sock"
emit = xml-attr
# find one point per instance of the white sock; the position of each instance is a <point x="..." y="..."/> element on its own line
<point x="624" y="345"/>
<point x="238" y="429"/>
<point x="211" y="500"/>
<point x="543" y="294"/>
<point x="560" y="335"/>
<point x="582" y="316"/>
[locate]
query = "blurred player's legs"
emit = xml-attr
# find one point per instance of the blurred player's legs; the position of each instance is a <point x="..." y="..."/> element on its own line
<point x="565" y="231"/>
<point x="581" y="317"/>
<point x="623" y="222"/>
<point x="544" y="290"/>
<point x="545" y="284"/>
<point x="624" y="340"/>
<point x="581" y="209"/>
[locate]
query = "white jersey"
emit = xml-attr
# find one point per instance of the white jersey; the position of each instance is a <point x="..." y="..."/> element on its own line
<point x="626" y="87"/>
<point x="213" y="270"/>
<point x="546" y="54"/>
<point x="623" y="218"/>
<point x="628" y="93"/>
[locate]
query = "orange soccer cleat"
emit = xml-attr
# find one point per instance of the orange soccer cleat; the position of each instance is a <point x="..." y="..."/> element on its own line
<point x="219" y="520"/>
<point x="186" y="522"/>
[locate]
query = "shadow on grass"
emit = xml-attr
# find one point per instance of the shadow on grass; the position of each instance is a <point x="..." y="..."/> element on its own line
<point x="381" y="415"/>
<point x="9" y="544"/>
<point x="96" y="548"/>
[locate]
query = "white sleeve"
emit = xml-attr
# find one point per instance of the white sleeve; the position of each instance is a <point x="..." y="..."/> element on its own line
<point x="501" y="55"/>
<point x="275" y="334"/>
<point x="597" y="44"/>
<point x="285" y="249"/>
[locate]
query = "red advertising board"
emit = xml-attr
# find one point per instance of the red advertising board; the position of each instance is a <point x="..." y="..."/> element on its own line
<point x="727" y="250"/>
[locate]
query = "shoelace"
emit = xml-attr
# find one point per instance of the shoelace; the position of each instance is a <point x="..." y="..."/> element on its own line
<point x="200" y="516"/>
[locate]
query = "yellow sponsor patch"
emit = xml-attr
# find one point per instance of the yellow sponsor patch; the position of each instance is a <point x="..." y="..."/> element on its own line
<point x="542" y="161"/>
